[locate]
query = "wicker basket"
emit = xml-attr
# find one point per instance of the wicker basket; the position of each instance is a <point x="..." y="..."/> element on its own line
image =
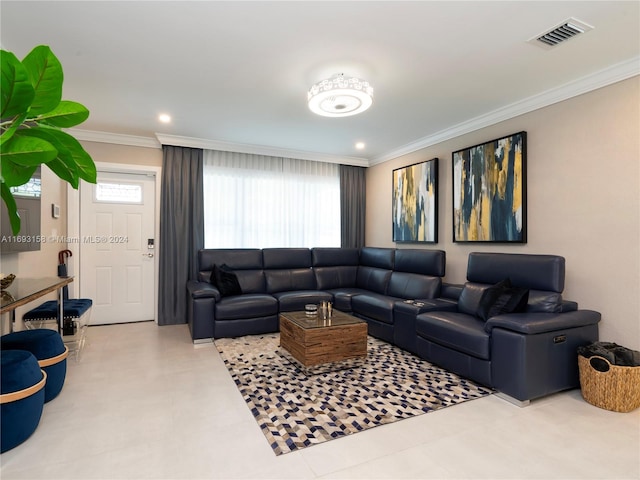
<point x="617" y="389"/>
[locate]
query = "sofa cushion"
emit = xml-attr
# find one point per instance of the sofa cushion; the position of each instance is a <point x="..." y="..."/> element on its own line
<point x="377" y="257"/>
<point x="457" y="331"/>
<point x="373" y="279"/>
<point x="235" y="258"/>
<point x="424" y="262"/>
<point x="293" y="301"/>
<point x="335" y="277"/>
<point x="334" y="256"/>
<point x="290" y="279"/>
<point x="245" y="306"/>
<point x="412" y="285"/>
<point x="223" y="278"/>
<point x="496" y="301"/>
<point x="544" y="302"/>
<point x="502" y="298"/>
<point x="251" y="281"/>
<point x="276" y="258"/>
<point x="470" y="297"/>
<point x="539" y="272"/>
<point x="375" y="306"/>
<point x="342" y="297"/>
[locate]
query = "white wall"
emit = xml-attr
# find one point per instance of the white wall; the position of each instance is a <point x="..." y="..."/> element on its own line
<point x="583" y="200"/>
<point x="111" y="153"/>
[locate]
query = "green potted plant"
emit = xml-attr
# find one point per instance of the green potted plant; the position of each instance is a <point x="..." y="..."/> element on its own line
<point x="32" y="116"/>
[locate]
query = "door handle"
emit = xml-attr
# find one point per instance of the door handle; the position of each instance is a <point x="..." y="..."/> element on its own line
<point x="150" y="255"/>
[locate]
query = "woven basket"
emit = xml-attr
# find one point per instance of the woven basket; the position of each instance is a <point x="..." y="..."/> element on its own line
<point x="617" y="389"/>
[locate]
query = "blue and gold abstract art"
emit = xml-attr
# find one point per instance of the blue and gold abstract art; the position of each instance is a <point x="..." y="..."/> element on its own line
<point x="415" y="203"/>
<point x="489" y="191"/>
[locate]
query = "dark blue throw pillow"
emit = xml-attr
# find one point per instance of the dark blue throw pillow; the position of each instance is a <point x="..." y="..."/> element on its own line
<point x="223" y="278"/>
<point x="502" y="298"/>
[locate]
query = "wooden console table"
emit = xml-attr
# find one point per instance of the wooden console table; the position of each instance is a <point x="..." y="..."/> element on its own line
<point x="25" y="290"/>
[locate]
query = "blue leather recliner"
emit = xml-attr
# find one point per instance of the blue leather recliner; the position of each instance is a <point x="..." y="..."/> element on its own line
<point x="525" y="355"/>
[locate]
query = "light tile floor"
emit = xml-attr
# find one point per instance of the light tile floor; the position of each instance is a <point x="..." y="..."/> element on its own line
<point x="144" y="402"/>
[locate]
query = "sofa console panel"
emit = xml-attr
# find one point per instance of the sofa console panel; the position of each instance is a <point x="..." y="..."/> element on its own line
<point x="529" y="366"/>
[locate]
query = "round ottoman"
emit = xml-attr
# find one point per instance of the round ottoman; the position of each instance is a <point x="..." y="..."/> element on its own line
<point x="21" y="397"/>
<point x="50" y="351"/>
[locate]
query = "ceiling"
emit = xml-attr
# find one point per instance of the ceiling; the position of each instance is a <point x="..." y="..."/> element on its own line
<point x="236" y="74"/>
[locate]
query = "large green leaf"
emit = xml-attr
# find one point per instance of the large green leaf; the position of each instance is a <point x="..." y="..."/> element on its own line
<point x="27" y="151"/>
<point x="15" y="174"/>
<point x="70" y="154"/>
<point x="63" y="171"/>
<point x="12" y="208"/>
<point x="81" y="159"/>
<point x="66" y="115"/>
<point x="62" y="165"/>
<point x="45" y="72"/>
<point x="17" y="92"/>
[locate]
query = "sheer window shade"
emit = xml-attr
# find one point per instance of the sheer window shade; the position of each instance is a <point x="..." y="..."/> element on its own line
<point x="258" y="201"/>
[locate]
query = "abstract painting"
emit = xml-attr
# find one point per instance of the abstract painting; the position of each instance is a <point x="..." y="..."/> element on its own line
<point x="489" y="191"/>
<point x="415" y="203"/>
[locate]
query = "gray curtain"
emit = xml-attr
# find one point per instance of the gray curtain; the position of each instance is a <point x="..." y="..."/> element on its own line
<point x="352" y="206"/>
<point x="181" y="229"/>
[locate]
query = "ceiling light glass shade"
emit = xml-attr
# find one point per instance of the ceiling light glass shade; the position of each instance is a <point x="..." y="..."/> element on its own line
<point x="340" y="96"/>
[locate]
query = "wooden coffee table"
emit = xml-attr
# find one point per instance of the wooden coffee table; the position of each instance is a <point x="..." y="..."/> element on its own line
<point x="312" y="341"/>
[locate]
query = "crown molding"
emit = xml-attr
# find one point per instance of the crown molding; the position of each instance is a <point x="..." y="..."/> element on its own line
<point x="116" y="138"/>
<point x="181" y="141"/>
<point x="616" y="73"/>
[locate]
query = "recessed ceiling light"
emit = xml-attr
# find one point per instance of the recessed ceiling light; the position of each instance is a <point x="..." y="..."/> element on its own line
<point x="360" y="145"/>
<point x="164" y="118"/>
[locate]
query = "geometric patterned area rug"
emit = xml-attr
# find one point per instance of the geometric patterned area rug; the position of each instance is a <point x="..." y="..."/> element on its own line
<point x="296" y="409"/>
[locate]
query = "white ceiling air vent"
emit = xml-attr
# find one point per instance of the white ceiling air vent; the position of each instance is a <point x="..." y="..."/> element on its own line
<point x="561" y="33"/>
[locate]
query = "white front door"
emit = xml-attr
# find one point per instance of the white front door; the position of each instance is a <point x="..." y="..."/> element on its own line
<point x="117" y="247"/>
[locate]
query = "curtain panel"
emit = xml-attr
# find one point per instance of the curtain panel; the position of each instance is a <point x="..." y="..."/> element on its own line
<point x="352" y="206"/>
<point x="260" y="201"/>
<point x="181" y="229"/>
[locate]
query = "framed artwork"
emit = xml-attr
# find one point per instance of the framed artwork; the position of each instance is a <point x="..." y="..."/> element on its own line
<point x="489" y="191"/>
<point x="415" y="203"/>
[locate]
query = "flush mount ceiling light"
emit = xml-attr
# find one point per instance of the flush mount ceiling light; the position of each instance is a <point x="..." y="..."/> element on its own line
<point x="340" y="96"/>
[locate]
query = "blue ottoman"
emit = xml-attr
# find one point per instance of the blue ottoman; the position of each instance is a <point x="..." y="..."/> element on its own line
<point x="22" y="386"/>
<point x="50" y="351"/>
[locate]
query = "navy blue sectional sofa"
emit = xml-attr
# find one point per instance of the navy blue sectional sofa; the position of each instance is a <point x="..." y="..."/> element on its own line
<point x="525" y="354"/>
<point x="366" y="282"/>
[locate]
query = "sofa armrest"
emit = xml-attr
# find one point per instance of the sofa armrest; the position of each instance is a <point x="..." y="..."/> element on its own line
<point x="451" y="291"/>
<point x="202" y="290"/>
<point x="201" y="302"/>
<point x="534" y="323"/>
<point x="568" y="306"/>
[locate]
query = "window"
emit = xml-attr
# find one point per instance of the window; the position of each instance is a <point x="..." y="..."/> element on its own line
<point x="257" y="201"/>
<point x="31" y="189"/>
<point x="110" y="192"/>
